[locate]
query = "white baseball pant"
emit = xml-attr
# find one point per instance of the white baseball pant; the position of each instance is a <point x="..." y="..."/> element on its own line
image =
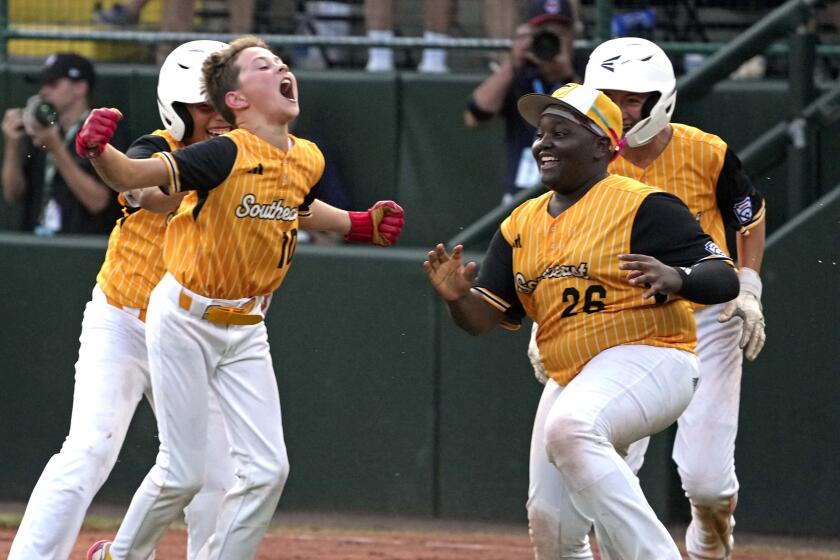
<point x="188" y="356"/>
<point x="577" y="471"/>
<point x="111" y="377"/>
<point x="704" y="448"/>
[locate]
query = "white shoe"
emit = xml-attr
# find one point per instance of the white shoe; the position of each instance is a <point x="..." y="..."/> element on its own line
<point x="709" y="535"/>
<point x="375" y="65"/>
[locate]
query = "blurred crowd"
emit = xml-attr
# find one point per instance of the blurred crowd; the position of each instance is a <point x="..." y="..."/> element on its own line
<point x="56" y="192"/>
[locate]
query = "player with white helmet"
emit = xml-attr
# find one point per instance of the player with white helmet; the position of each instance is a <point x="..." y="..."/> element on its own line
<point x="702" y="170"/>
<point x="637" y="66"/>
<point x="112" y="372"/>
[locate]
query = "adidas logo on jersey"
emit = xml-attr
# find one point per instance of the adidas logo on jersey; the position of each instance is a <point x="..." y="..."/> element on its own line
<point x="258" y="170"/>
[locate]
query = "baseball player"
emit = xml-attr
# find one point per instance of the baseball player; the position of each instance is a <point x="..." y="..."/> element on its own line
<point x="703" y="172"/>
<point x="228" y="248"/>
<point x="112" y="373"/>
<point x="595" y="261"/>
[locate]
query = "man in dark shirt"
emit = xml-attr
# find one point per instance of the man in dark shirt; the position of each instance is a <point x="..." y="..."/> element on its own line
<point x="541" y="60"/>
<point x="59" y="192"/>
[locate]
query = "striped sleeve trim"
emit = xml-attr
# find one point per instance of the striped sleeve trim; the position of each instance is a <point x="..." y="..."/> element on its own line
<point x="500" y="304"/>
<point x="171" y="171"/>
<point x="727" y="260"/>
<point x="492" y="298"/>
<point x="304" y="212"/>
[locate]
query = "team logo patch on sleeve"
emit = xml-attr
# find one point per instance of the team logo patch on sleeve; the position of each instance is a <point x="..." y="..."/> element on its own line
<point x="743" y="210"/>
<point x="713" y="249"/>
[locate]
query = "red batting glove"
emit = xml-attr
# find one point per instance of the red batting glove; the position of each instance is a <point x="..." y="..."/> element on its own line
<point x="97" y="131"/>
<point x="380" y="225"/>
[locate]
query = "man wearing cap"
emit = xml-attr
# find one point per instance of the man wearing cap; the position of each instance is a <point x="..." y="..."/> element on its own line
<point x="541" y="59"/>
<point x="59" y="191"/>
<point x="607" y="266"/>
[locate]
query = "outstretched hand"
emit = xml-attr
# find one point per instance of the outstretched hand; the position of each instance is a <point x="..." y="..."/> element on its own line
<point x="647" y="272"/>
<point x="97" y="131"/>
<point x="448" y="274"/>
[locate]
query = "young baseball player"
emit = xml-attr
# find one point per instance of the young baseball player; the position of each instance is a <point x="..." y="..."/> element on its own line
<point x="703" y="172"/>
<point x="599" y="263"/>
<point x="228" y="248"/>
<point x="112" y="373"/>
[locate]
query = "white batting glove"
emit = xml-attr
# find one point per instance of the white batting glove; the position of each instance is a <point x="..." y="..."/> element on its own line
<point x="534" y="356"/>
<point x="747" y="306"/>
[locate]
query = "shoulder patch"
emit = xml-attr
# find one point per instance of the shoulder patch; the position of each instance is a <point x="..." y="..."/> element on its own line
<point x="713" y="249"/>
<point x="743" y="210"/>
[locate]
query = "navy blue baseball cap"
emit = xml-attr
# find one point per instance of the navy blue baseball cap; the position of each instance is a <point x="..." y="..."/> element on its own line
<point x="544" y="11"/>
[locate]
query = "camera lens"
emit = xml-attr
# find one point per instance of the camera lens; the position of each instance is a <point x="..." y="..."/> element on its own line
<point x="42" y="111"/>
<point x="545" y="45"/>
<point x="45" y="114"/>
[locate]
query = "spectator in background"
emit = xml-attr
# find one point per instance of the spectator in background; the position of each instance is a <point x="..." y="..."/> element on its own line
<point x="540" y="61"/>
<point x="59" y="191"/>
<point x="379" y="21"/>
<point x="176" y="15"/>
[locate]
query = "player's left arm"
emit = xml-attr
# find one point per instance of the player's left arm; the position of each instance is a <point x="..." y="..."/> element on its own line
<point x="670" y="254"/>
<point x="743" y="209"/>
<point x="380" y="225"/>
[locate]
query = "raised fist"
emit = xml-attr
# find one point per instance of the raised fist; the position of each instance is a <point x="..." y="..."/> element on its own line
<point x="380" y="225"/>
<point x="97" y="131"/>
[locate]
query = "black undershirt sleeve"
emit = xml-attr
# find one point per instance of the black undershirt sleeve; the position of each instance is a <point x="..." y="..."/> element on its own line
<point x="496" y="276"/>
<point x="309" y="199"/>
<point x="205" y="165"/>
<point x="708" y="282"/>
<point x="739" y="202"/>
<point x="665" y="229"/>
<point x="145" y="146"/>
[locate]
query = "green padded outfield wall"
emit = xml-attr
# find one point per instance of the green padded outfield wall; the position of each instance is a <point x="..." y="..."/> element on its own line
<point x="788" y="447"/>
<point x="388" y="408"/>
<point x="352" y="335"/>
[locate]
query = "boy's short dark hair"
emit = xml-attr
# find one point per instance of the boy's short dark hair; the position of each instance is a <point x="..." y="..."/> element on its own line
<point x="221" y="74"/>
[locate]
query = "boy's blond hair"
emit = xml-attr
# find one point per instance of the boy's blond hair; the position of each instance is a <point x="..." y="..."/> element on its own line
<point x="221" y="74"/>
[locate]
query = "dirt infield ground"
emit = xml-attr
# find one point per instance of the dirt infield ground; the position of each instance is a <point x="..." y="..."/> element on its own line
<point x="343" y="537"/>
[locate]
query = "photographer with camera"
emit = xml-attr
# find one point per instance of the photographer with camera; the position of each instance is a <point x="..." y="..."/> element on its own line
<point x="540" y="61"/>
<point x="59" y="191"/>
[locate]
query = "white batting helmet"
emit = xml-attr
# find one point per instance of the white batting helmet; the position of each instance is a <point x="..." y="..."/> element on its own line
<point x="639" y="66"/>
<point x="180" y="83"/>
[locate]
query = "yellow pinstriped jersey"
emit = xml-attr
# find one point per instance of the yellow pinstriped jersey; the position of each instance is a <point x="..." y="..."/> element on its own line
<point x="134" y="260"/>
<point x="236" y="235"/>
<point x="690" y="168"/>
<point x="567" y="279"/>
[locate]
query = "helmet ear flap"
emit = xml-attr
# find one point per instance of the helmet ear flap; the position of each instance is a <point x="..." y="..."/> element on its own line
<point x="184" y="114"/>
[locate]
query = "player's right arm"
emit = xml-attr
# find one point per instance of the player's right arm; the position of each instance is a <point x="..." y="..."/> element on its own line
<point x="453" y="280"/>
<point x="202" y="166"/>
<point x="151" y="198"/>
<point x="116" y="170"/>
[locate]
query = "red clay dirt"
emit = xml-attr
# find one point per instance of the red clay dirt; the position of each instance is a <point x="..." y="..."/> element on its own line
<point x="362" y="538"/>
